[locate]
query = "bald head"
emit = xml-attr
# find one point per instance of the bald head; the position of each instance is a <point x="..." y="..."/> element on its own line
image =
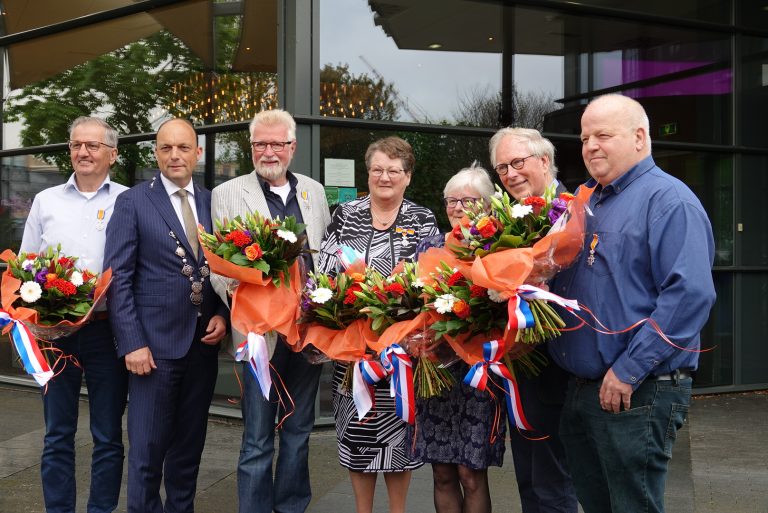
<point x="614" y="136"/>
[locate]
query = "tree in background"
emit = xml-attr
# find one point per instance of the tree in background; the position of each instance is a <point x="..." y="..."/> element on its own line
<point x="123" y="87"/>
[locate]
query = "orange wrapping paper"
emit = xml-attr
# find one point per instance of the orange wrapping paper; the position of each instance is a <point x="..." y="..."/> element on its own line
<point x="259" y="306"/>
<point x="347" y="345"/>
<point x="8" y="294"/>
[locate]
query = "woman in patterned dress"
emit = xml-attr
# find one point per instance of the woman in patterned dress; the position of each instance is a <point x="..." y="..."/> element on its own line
<point x="385" y="228"/>
<point x="453" y="431"/>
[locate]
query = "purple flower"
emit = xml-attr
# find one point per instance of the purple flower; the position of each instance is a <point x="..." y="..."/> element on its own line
<point x="473" y="230"/>
<point x="487" y="247"/>
<point x="41" y="277"/>
<point x="306" y="305"/>
<point x="558" y="207"/>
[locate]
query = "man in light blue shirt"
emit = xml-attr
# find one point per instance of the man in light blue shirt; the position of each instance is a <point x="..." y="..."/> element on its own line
<point x="75" y="215"/>
<point x="648" y="255"/>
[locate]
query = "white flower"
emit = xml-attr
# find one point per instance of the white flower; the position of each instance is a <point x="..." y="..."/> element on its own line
<point x="320" y="295"/>
<point x="287" y="235"/>
<point x="496" y="296"/>
<point x="30" y="291"/>
<point x="76" y="278"/>
<point x="498" y="195"/>
<point x="444" y="303"/>
<point x="28" y="265"/>
<point x="390" y="279"/>
<point x="519" y="211"/>
<point x="418" y="283"/>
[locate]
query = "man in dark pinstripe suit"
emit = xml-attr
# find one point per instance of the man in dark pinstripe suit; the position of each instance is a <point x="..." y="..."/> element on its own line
<point x="167" y="322"/>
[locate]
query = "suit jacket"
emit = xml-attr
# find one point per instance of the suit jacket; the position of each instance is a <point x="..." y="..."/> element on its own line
<point x="244" y="194"/>
<point x="149" y="298"/>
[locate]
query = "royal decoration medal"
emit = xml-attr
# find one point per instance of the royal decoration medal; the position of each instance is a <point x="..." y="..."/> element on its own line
<point x="100" y="214"/>
<point x="592" y="246"/>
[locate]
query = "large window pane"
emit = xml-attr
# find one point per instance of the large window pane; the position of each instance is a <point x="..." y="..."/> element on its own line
<point x="193" y="59"/>
<point x="716" y="11"/>
<point x="716" y="363"/>
<point x="752" y="215"/>
<point x="754" y="351"/>
<point x="754" y="91"/>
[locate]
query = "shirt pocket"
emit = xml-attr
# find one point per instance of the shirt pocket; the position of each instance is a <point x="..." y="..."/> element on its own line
<point x="608" y="253"/>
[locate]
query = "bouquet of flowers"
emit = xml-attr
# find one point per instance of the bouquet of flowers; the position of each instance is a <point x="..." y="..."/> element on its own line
<point x="545" y="236"/>
<point x="330" y="309"/>
<point x="262" y="256"/>
<point x="466" y="308"/>
<point x="394" y="304"/>
<point x="52" y="286"/>
<point x="271" y="246"/>
<point x="51" y="298"/>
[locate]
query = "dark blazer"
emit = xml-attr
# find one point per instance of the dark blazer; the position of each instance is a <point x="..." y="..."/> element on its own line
<point x="149" y="299"/>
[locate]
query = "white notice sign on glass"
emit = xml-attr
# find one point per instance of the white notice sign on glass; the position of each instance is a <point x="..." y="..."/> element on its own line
<point x="340" y="172"/>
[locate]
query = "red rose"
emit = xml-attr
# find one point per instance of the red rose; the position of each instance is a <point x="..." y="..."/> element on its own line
<point x="476" y="291"/>
<point x="395" y="289"/>
<point x="486" y="227"/>
<point x="455" y="279"/>
<point x="65" y="262"/>
<point x="566" y="196"/>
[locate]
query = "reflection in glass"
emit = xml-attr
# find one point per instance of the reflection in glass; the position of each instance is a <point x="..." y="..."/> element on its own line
<point x="753" y="81"/>
<point x="754" y="351"/>
<point x="751" y="212"/>
<point x="716" y="363"/>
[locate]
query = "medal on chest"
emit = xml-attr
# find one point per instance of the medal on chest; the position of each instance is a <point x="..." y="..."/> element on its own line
<point x="592" y="246"/>
<point x="100" y="215"/>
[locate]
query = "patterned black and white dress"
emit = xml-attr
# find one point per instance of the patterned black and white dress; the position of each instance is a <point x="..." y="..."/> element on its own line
<point x="377" y="443"/>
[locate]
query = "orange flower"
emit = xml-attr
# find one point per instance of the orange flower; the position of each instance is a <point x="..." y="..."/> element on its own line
<point x="357" y="277"/>
<point x="566" y="196"/>
<point x="50" y="276"/>
<point x="461" y="309"/>
<point x="253" y="252"/>
<point x="486" y="227"/>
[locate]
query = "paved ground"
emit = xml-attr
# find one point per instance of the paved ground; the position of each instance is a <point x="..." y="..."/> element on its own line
<point x="720" y="462"/>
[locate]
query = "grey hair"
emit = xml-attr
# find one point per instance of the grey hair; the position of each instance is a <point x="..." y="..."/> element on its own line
<point x="473" y="177"/>
<point x="110" y="134"/>
<point x="537" y="144"/>
<point x="274" y="117"/>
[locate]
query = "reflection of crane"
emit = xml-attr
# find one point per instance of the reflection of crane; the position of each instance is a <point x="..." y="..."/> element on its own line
<point x="406" y="105"/>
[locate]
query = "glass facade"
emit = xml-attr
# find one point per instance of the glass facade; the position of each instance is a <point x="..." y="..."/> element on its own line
<point x="443" y="74"/>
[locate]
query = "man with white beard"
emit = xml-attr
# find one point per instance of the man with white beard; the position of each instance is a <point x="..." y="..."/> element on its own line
<point x="273" y="191"/>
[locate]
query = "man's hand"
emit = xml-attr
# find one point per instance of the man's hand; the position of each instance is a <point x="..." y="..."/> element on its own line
<point x="140" y="362"/>
<point x="217" y="328"/>
<point x="614" y="393"/>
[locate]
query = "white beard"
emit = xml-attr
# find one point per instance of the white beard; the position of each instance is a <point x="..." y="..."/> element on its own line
<point x="270" y="173"/>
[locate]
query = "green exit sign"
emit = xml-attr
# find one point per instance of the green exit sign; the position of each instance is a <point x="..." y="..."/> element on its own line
<point x="668" y="129"/>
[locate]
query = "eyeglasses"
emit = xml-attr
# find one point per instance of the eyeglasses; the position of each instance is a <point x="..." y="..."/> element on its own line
<point x="503" y="169"/>
<point x="276" y="146"/>
<point x="392" y="173"/>
<point x="91" y="146"/>
<point x="465" y="202"/>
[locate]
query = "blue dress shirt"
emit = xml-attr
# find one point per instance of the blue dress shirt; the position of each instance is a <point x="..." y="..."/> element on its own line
<point x="64" y="215"/>
<point x="653" y="259"/>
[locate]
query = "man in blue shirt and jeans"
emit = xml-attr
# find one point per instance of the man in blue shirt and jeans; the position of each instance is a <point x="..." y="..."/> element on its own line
<point x="648" y="255"/>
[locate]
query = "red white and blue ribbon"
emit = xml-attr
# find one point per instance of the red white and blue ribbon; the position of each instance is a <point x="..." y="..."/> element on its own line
<point x="254" y="351"/>
<point x="365" y="375"/>
<point x="477" y="377"/>
<point x="348" y="256"/>
<point x="520" y="315"/>
<point x="397" y="363"/>
<point x="27" y="348"/>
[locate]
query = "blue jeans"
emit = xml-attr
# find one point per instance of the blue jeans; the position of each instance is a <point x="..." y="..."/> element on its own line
<point x="619" y="460"/>
<point x="106" y="379"/>
<point x="289" y="491"/>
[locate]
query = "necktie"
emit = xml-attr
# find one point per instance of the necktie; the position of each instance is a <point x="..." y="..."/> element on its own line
<point x="190" y="226"/>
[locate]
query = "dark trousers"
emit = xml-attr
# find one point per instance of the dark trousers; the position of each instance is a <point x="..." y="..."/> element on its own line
<point x="106" y="379"/>
<point x="167" y="423"/>
<point x="543" y="479"/>
<point x="619" y="460"/>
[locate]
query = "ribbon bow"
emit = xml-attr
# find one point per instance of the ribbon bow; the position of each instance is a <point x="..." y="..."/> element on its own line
<point x="520" y="315"/>
<point x="365" y="375"/>
<point x="396" y="362"/>
<point x="254" y="351"/>
<point x="477" y="377"/>
<point x="27" y="348"/>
